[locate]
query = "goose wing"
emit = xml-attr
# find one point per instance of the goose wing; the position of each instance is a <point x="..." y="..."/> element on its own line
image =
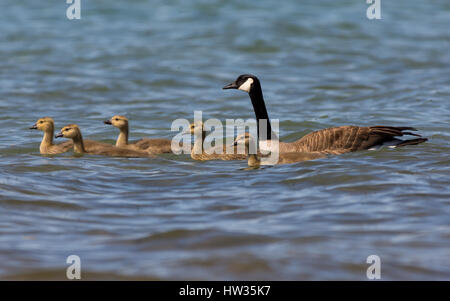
<point x="344" y="139"/>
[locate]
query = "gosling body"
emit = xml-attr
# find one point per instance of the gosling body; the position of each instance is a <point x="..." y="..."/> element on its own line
<point x="254" y="160"/>
<point x="199" y="153"/>
<point x="151" y="145"/>
<point x="80" y="146"/>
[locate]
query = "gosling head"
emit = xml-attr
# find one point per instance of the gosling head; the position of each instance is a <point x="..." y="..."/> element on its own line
<point x="69" y="131"/>
<point x="244" y="82"/>
<point x="44" y="124"/>
<point x="245" y="139"/>
<point x="195" y="127"/>
<point x="118" y="121"/>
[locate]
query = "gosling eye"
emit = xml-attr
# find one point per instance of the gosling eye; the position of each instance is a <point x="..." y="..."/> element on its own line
<point x="66" y="130"/>
<point x="41" y="122"/>
<point x="117" y="119"/>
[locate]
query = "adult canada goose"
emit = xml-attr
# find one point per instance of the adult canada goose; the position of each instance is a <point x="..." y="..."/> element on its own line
<point x="336" y="140"/>
<point x="254" y="160"/>
<point x="199" y="153"/>
<point x="72" y="131"/>
<point x="47" y="125"/>
<point x="154" y="146"/>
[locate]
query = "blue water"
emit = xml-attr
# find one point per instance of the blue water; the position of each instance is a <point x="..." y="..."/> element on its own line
<point x="321" y="64"/>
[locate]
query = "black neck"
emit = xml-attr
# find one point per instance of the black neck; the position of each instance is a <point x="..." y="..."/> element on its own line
<point x="259" y="107"/>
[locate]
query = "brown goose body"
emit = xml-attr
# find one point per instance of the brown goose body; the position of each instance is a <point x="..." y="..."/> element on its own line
<point x="81" y="146"/>
<point x="336" y="140"/>
<point x="344" y="139"/>
<point x="47" y="125"/>
<point x="199" y="153"/>
<point x="151" y="145"/>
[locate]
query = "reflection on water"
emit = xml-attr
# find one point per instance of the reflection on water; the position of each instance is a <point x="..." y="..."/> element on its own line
<point x="321" y="64"/>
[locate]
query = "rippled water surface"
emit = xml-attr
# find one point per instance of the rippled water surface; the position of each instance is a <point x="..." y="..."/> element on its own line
<point x="321" y="64"/>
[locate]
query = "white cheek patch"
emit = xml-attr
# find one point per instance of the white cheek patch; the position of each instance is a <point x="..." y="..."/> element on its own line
<point x="247" y="85"/>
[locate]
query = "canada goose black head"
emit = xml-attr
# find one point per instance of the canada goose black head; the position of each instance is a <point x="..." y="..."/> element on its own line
<point x="69" y="131"/>
<point x="244" y="82"/>
<point x="250" y="84"/>
<point x="44" y="124"/>
<point x="118" y="121"/>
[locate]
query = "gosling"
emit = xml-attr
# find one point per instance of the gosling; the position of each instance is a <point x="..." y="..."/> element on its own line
<point x="199" y="153"/>
<point x="254" y="160"/>
<point x="154" y="145"/>
<point x="72" y="131"/>
<point x="47" y="125"/>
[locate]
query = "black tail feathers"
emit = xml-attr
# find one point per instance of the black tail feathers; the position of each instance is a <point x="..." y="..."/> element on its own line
<point x="411" y="142"/>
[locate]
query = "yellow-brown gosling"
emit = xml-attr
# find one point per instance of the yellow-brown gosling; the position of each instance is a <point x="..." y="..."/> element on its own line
<point x="154" y="145"/>
<point x="199" y="153"/>
<point x="72" y="131"/>
<point x="254" y="160"/>
<point x="47" y="125"/>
